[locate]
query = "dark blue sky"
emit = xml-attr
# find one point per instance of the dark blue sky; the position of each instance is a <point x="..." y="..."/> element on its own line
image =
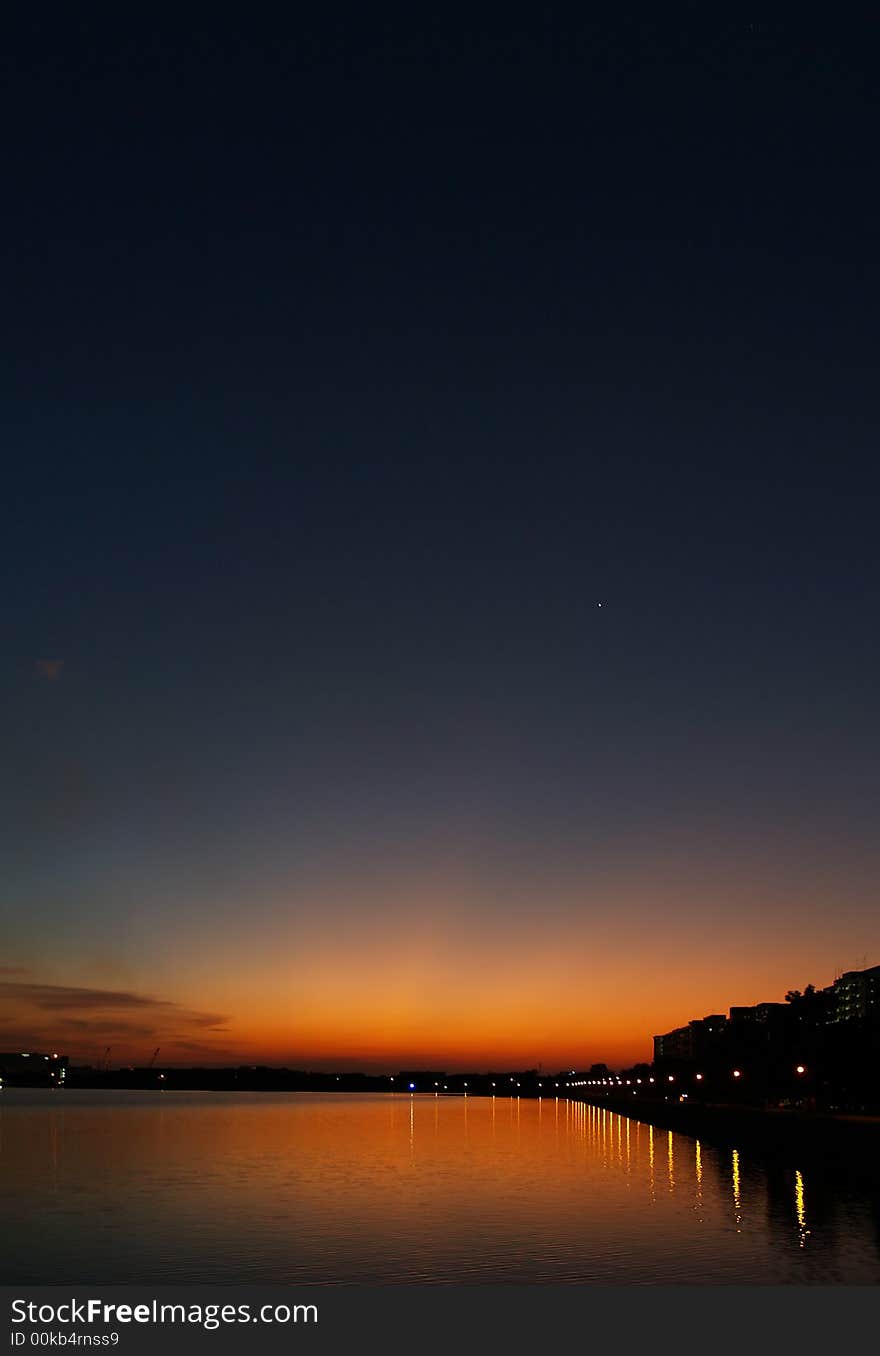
<point x="350" y="361"/>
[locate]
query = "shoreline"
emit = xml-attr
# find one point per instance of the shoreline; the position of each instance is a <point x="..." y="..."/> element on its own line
<point x="844" y="1144"/>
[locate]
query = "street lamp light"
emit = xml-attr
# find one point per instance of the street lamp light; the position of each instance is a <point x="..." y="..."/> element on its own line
<point x="800" y="1069"/>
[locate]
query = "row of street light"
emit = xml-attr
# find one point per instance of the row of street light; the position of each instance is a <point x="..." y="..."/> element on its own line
<point x="615" y="1082"/>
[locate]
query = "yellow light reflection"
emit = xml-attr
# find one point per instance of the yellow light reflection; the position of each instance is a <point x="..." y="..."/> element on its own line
<point x="737" y="1198"/>
<point x="800" y="1209"/>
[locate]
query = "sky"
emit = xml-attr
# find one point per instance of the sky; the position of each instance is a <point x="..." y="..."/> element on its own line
<point x="438" y="530"/>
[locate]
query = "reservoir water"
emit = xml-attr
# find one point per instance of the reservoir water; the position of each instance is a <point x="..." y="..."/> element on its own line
<point x="153" y="1187"/>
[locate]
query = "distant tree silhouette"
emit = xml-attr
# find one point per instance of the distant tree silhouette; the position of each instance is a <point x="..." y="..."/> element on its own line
<point x="794" y="996"/>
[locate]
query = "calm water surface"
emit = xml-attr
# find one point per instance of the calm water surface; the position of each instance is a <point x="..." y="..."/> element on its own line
<point x="168" y="1187"/>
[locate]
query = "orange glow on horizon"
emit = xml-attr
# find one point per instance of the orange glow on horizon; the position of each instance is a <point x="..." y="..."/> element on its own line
<point x="392" y="975"/>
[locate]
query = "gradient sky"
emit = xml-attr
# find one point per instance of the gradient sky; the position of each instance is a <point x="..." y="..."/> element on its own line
<point x="349" y="363"/>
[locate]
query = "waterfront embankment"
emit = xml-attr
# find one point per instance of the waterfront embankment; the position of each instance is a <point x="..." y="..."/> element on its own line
<point x="844" y="1145"/>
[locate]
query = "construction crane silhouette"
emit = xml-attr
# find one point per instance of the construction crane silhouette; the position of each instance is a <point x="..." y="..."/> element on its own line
<point x="153" y="1056"/>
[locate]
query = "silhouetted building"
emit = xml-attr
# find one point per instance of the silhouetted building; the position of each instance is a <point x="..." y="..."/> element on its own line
<point x="760" y="1014"/>
<point x="706" y="1033"/>
<point x="33" y="1069"/>
<point x="673" y="1046"/>
<point x="692" y="1042"/>
<point x="818" y="1048"/>
<point x="856" y="997"/>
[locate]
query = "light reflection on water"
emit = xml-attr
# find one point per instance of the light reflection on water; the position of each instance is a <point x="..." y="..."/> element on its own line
<point x="116" y="1187"/>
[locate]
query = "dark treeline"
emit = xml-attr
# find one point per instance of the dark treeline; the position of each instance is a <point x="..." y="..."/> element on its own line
<point x="264" y="1078"/>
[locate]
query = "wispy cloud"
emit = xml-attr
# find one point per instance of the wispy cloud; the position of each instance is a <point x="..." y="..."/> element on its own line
<point x="57" y="1013"/>
<point x="60" y="997"/>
